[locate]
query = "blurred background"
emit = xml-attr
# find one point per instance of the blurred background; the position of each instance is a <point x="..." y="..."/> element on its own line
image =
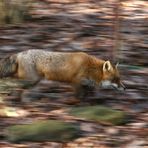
<point x="113" y="30"/>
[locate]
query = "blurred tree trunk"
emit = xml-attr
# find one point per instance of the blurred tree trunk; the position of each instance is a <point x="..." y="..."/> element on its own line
<point x="117" y="25"/>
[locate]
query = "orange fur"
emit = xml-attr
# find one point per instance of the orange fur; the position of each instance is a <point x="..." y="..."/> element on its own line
<point x="77" y="68"/>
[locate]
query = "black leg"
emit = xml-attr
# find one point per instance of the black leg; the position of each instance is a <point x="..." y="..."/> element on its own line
<point x="85" y="89"/>
<point x="81" y="93"/>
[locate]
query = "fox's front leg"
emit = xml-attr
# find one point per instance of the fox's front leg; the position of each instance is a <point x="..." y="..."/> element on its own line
<point x="85" y="88"/>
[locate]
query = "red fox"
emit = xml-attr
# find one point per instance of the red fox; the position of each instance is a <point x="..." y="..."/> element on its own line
<point x="79" y="69"/>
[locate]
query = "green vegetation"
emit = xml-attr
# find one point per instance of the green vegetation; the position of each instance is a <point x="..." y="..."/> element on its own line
<point x="100" y="114"/>
<point x="8" y="84"/>
<point x="51" y="130"/>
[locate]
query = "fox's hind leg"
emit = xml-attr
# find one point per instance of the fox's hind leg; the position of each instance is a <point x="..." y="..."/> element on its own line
<point x="28" y="72"/>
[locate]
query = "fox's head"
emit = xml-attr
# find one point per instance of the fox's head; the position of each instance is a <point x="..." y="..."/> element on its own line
<point x="111" y="77"/>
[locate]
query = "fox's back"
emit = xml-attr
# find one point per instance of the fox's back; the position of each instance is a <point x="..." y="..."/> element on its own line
<point x="53" y="65"/>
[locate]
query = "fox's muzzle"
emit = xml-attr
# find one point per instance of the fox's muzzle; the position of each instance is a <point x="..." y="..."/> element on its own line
<point x="108" y="84"/>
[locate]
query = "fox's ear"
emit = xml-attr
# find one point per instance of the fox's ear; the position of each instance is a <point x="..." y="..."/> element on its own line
<point x="107" y="66"/>
<point x="117" y="64"/>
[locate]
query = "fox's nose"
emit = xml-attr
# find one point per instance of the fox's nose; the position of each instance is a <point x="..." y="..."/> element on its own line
<point x="122" y="87"/>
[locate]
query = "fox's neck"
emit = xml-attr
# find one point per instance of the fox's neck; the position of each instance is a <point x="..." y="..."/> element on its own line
<point x="95" y="70"/>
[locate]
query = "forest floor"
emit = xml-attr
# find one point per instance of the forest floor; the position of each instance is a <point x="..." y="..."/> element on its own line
<point x="89" y="27"/>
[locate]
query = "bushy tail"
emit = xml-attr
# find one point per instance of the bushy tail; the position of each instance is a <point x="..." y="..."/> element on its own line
<point x="8" y="66"/>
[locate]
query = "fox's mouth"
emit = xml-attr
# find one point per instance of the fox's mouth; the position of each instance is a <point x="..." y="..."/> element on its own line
<point x="107" y="85"/>
<point x="119" y="88"/>
<point x="114" y="87"/>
